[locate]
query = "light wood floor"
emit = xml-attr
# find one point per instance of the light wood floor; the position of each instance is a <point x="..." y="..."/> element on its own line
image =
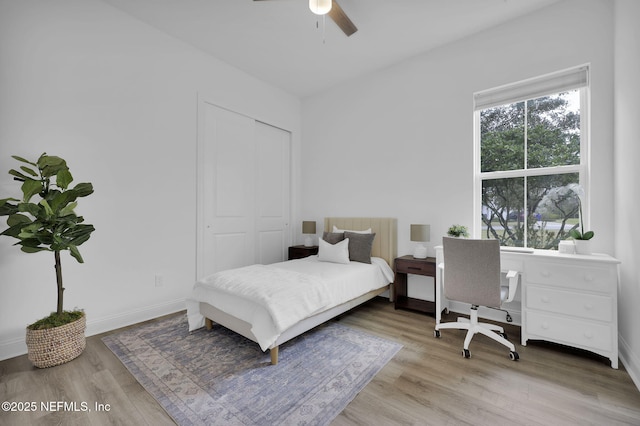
<point x="427" y="383"/>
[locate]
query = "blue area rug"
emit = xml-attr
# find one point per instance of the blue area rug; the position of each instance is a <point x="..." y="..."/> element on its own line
<point x="218" y="377"/>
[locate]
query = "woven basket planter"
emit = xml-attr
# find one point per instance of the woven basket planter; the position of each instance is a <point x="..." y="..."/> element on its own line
<point x="55" y="346"/>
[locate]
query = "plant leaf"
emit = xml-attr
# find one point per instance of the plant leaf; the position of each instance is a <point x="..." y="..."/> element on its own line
<point x="6" y="208"/>
<point x="83" y="189"/>
<point x="32" y="209"/>
<point x="76" y="254"/>
<point x="17" y="219"/>
<point x="29" y="249"/>
<point x="30" y="187"/>
<point x="58" y="200"/>
<point x="29" y="171"/>
<point x="68" y="209"/>
<point x="64" y="178"/>
<point x="50" y="165"/>
<point x="588" y="235"/>
<point x="23" y="160"/>
<point x="18" y="176"/>
<point x="79" y="234"/>
<point x="12" y="231"/>
<point x="47" y="207"/>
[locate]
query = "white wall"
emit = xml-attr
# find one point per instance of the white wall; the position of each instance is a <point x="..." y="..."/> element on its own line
<point x="627" y="176"/>
<point x="399" y="141"/>
<point x="117" y="99"/>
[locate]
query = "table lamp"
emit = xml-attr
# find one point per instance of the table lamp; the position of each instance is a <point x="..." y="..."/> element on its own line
<point x="309" y="228"/>
<point x="420" y="234"/>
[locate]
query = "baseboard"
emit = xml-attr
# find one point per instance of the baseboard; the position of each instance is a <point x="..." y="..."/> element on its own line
<point x="10" y="348"/>
<point x="13" y="347"/>
<point x="630" y="361"/>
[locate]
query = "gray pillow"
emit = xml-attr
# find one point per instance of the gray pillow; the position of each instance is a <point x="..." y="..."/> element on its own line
<point x="360" y="246"/>
<point x="333" y="237"/>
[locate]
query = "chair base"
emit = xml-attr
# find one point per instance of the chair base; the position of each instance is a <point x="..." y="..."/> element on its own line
<point x="474" y="327"/>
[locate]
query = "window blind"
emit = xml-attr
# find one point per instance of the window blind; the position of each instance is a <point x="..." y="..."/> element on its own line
<point x="562" y="81"/>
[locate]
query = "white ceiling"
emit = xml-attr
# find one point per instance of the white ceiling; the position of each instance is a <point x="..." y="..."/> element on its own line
<point x="278" y="42"/>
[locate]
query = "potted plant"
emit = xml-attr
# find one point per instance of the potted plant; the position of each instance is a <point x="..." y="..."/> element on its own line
<point x="458" y="231"/>
<point x="49" y="224"/>
<point x="582" y="239"/>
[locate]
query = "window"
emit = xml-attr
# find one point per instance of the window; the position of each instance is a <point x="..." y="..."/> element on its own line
<point x="530" y="162"/>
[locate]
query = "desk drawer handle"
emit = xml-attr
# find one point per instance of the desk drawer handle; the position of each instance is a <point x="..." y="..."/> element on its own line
<point x="413" y="268"/>
<point x="546" y="274"/>
<point x="588" y="306"/>
<point x="545" y="299"/>
<point x="588" y="278"/>
<point x="588" y="334"/>
<point x="545" y="325"/>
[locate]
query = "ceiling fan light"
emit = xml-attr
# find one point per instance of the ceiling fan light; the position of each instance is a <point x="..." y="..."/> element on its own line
<point x="320" y="7"/>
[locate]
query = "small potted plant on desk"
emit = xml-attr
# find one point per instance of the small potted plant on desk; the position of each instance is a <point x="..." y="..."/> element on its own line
<point x="49" y="224"/>
<point x="582" y="240"/>
<point x="458" y="231"/>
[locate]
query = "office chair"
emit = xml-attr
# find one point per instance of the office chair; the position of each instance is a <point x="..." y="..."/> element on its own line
<point x="471" y="274"/>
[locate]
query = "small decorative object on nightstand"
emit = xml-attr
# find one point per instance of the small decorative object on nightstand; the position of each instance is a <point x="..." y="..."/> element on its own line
<point x="421" y="234"/>
<point x="308" y="228"/>
<point x="298" y="252"/>
<point x="410" y="265"/>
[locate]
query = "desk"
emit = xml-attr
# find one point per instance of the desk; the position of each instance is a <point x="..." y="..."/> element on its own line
<point x="565" y="298"/>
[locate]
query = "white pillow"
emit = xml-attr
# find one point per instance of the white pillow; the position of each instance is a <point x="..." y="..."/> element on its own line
<point x="336" y="253"/>
<point x="366" y="231"/>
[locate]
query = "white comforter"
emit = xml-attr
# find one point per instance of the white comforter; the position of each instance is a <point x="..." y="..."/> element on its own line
<point x="274" y="297"/>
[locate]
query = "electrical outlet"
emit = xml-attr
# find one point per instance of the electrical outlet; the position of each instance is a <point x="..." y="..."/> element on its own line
<point x="159" y="280"/>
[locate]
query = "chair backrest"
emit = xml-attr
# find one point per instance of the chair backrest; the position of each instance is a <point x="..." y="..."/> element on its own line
<point x="472" y="271"/>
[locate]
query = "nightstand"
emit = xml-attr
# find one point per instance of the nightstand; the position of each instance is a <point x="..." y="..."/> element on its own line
<point x="410" y="265"/>
<point x="298" y="252"/>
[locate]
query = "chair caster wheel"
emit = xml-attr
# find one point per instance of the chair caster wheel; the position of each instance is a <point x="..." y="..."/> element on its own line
<point x="504" y="335"/>
<point x="466" y="353"/>
<point x="436" y="333"/>
<point x="513" y="356"/>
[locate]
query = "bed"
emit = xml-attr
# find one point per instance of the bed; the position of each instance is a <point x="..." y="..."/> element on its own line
<point x="330" y="289"/>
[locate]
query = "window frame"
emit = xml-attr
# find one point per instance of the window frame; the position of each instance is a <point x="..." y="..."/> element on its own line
<point x="523" y="91"/>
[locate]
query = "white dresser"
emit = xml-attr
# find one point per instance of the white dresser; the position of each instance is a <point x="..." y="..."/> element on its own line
<point x="566" y="298"/>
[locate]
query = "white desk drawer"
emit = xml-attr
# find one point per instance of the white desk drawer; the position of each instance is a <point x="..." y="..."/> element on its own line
<point x="579" y="276"/>
<point x="568" y="331"/>
<point x="589" y="306"/>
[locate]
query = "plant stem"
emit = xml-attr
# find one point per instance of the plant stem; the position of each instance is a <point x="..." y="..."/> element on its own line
<point x="59" y="281"/>
<point x="581" y="221"/>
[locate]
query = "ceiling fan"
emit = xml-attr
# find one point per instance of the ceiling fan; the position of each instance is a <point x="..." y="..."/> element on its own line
<point x="335" y="12"/>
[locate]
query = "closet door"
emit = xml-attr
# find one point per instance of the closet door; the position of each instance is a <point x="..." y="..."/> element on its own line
<point x="243" y="191"/>
<point x="272" y="193"/>
<point x="227" y="158"/>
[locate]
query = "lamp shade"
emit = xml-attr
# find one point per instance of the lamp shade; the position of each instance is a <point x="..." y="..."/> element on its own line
<point x="308" y="227"/>
<point x="420" y="233"/>
<point x="320" y="7"/>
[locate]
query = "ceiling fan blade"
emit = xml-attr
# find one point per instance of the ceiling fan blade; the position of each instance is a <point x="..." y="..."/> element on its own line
<point x="341" y="19"/>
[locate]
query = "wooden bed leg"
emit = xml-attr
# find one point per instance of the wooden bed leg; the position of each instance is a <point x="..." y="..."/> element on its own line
<point x="208" y="323"/>
<point x="274" y="355"/>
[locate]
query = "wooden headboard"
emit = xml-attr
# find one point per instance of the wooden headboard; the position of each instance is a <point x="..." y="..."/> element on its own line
<point x="385" y="245"/>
